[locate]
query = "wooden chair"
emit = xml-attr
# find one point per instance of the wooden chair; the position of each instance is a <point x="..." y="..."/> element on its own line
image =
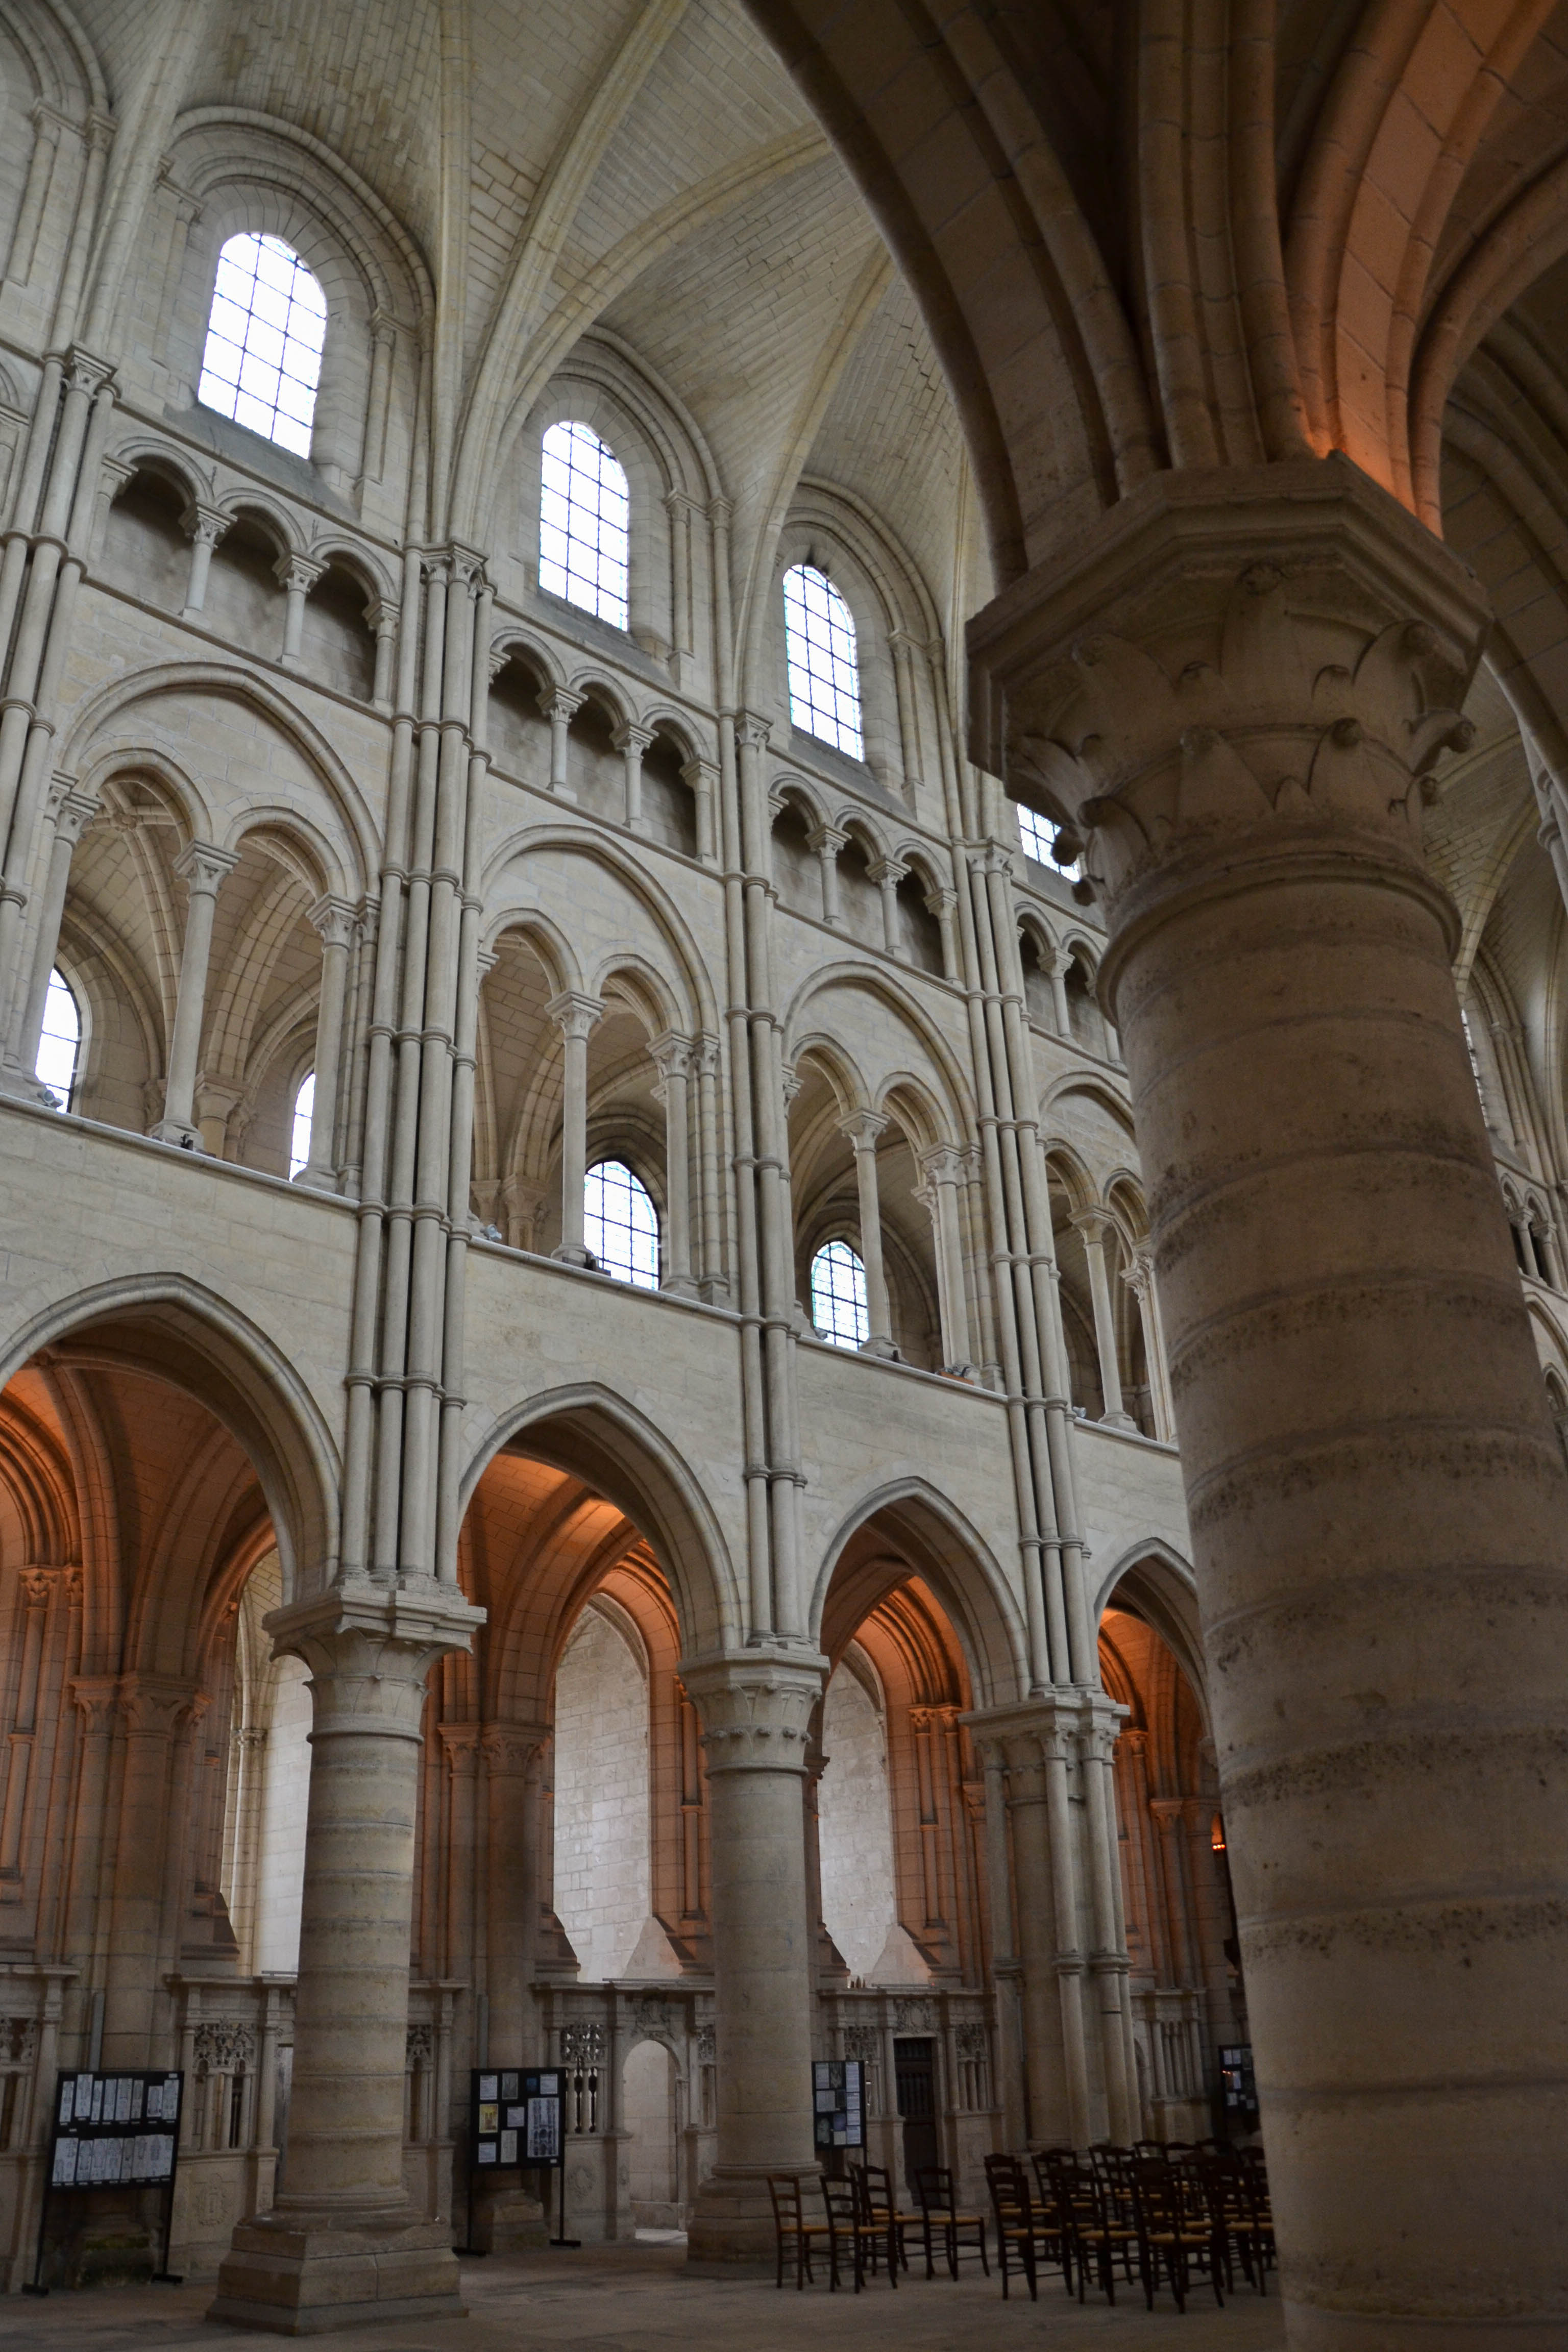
<point x="1240" y="2213"/>
<point x="851" y="2235"/>
<point x="1091" y="2219"/>
<point x="876" y="2185"/>
<point x="939" y="2215"/>
<point x="1024" y="2231"/>
<point x="791" y="2227"/>
<point x="1175" y="2233"/>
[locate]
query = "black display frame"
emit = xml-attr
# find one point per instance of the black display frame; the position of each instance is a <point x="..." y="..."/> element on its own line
<point x="506" y="2125"/>
<point x="834" y="2079"/>
<point x="78" y="2120"/>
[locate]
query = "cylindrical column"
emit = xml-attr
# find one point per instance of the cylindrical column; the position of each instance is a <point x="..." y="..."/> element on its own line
<point x="333" y="918"/>
<point x="863" y="1128"/>
<point x="368" y="1651"/>
<point x="700" y="778"/>
<point x="71" y="811"/>
<point x="383" y="618"/>
<point x="298" y="577"/>
<point x="887" y="874"/>
<point x="1057" y="970"/>
<point x="827" y="840"/>
<point x="712" y="1260"/>
<point x="1093" y="1224"/>
<point x="631" y="742"/>
<point x="1139" y="1276"/>
<point x="943" y="905"/>
<point x="205" y="526"/>
<point x="203" y="868"/>
<point x="575" y="1016"/>
<point x="756" y="1713"/>
<point x="673" y="1056"/>
<point x="560" y="708"/>
<point x="1378" y="1502"/>
<point x="942" y="1169"/>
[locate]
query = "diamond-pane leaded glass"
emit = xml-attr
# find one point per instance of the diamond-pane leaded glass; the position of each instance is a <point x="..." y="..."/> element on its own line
<point x="838" y="1294"/>
<point x="265" y="331"/>
<point x="820" y="646"/>
<point x="620" y="1223"/>
<point x="584" y="507"/>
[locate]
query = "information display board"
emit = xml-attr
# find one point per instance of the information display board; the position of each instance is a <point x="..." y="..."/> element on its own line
<point x="515" y="2118"/>
<point x="838" y="2101"/>
<point x="114" y="2127"/>
<point x="1239" y="2091"/>
<point x="110" y="2129"/>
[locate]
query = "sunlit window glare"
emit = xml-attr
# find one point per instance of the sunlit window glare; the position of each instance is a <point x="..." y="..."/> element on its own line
<point x="819" y="647"/>
<point x="60" y="1044"/>
<point x="1038" y="835"/>
<point x="583" y="511"/>
<point x="265" y="333"/>
<point x="838" y="1294"/>
<point x="620" y="1223"/>
<point x="304" y="1119"/>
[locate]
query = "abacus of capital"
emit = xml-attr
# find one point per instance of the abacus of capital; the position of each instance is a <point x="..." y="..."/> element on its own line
<point x="1232" y="691"/>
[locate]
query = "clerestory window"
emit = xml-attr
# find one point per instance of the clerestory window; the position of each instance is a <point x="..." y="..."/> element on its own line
<point x="824" y="670"/>
<point x="304" y="1122"/>
<point x="1039" y="836"/>
<point x="620" y="1223"/>
<point x="838" y="1294"/>
<point x="60" y="1044"/>
<point x="585" y="531"/>
<point x="262" y="360"/>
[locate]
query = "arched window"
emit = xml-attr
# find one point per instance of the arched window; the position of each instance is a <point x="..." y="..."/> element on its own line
<point x="838" y="1294"/>
<point x="263" y="355"/>
<point x="820" y="646"/>
<point x="584" y="542"/>
<point x="1039" y="836"/>
<point x="620" y="1223"/>
<point x="60" y="1045"/>
<point x="304" y="1121"/>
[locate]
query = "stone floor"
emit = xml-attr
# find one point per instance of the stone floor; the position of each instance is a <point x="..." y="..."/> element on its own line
<point x="638" y="2299"/>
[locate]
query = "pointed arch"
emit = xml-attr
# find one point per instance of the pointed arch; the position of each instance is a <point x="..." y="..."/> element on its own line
<point x="179" y="1331"/>
<point x="586" y="1428"/>
<point x="936" y="1542"/>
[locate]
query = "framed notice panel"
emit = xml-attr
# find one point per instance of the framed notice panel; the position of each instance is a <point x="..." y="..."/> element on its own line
<point x="108" y="2131"/>
<point x="838" y="2101"/>
<point x="514" y="2117"/>
<point x="1239" y="2091"/>
<point x="113" y="2128"/>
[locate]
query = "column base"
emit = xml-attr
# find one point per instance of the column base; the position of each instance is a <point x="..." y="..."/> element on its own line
<point x="172" y="1131"/>
<point x="886" y="1349"/>
<point x="303" y="2280"/>
<point x="574" y="1253"/>
<point x="1119" y="1421"/>
<point x="731" y="2220"/>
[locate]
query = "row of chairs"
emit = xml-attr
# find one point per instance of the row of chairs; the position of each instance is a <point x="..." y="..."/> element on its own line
<point x="1179" y="2211"/>
<point x="863" y="2226"/>
<point x="1176" y="2211"/>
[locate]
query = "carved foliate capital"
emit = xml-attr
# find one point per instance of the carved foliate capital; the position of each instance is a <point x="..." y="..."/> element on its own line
<point x="1230" y="660"/>
<point x="369" y="1648"/>
<point x="756" y="1708"/>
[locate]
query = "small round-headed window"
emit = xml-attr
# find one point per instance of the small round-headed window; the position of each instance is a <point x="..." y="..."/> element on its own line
<point x="824" y="672"/>
<point x="838" y="1295"/>
<point x="304" y="1122"/>
<point x="60" y="1044"/>
<point x="584" y="536"/>
<point x="620" y="1223"/>
<point x="262" y="359"/>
